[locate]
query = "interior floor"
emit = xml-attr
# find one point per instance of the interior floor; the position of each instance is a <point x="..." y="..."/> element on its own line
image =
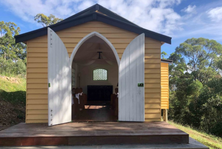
<point x="93" y="113"/>
<point x="98" y="103"/>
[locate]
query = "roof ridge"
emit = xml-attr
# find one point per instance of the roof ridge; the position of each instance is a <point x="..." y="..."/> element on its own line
<point x="111" y="12"/>
<point x="93" y="16"/>
<point x="77" y="15"/>
<point x="100" y="9"/>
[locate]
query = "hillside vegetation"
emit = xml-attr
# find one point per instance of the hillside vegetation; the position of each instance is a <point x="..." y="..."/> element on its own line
<point x="12" y="100"/>
<point x="212" y="141"/>
<point x="196" y="85"/>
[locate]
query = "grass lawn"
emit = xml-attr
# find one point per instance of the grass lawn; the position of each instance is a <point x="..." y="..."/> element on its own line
<point x="12" y="84"/>
<point x="213" y="142"/>
<point x="13" y="89"/>
<point x="12" y="101"/>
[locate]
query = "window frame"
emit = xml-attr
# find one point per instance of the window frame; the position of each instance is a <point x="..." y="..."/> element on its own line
<point x="99" y="80"/>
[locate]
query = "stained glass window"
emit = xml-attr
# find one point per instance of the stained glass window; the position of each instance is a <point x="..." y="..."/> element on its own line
<point x="99" y="74"/>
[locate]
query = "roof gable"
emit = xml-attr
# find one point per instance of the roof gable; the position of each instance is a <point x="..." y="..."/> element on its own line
<point x="94" y="13"/>
<point x="99" y="9"/>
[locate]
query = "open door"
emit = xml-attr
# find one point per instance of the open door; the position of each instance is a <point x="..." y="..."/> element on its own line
<point x="131" y="81"/>
<point x="59" y="81"/>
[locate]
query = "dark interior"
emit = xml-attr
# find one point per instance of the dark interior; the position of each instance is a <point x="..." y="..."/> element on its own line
<point x="99" y="92"/>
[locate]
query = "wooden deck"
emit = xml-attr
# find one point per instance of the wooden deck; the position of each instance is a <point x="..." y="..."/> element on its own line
<point x="92" y="133"/>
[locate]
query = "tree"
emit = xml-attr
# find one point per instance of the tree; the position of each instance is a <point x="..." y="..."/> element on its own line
<point x="46" y="20"/>
<point x="163" y="54"/>
<point x="202" y="55"/>
<point x="177" y="69"/>
<point x="219" y="62"/>
<point x="200" y="52"/>
<point x="196" y="85"/>
<point x="8" y="48"/>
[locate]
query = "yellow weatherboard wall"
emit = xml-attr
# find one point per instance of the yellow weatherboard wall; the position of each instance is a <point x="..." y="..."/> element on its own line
<point x="152" y="80"/>
<point x="164" y="86"/>
<point x="37" y="68"/>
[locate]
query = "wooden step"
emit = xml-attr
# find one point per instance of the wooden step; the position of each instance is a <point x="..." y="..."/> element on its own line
<point x="95" y="133"/>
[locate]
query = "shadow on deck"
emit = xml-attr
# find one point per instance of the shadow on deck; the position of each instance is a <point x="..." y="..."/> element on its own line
<point x="93" y="133"/>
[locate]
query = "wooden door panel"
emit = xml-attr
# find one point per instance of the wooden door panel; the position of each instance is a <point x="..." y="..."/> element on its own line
<point x="59" y="78"/>
<point x="131" y="72"/>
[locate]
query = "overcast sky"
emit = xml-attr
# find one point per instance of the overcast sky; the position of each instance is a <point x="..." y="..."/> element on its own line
<point x="179" y="19"/>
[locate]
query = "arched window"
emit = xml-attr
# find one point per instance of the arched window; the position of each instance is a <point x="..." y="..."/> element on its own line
<point x="99" y="74"/>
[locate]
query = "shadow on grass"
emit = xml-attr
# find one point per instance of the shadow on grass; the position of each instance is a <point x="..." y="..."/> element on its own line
<point x="12" y="108"/>
<point x="17" y="97"/>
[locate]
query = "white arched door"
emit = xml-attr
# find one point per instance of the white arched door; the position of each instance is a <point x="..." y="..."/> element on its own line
<point x="131" y="79"/>
<point x="59" y="79"/>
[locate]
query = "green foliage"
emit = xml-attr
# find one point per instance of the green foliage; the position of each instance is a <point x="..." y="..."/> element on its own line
<point x="194" y="88"/>
<point x="219" y="62"/>
<point x="163" y="54"/>
<point x="202" y="55"/>
<point x="46" y="20"/>
<point x="12" y="55"/>
<point x="200" y="52"/>
<point x="10" y="68"/>
<point x="20" y="67"/>
<point x="196" y="85"/>
<point x="8" y="48"/>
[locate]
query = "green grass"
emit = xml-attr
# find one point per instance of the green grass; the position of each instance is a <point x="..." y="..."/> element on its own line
<point x="14" y="92"/>
<point x="213" y="142"/>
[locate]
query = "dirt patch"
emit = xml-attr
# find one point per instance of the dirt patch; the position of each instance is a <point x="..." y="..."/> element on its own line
<point x="11" y="114"/>
<point x="11" y="79"/>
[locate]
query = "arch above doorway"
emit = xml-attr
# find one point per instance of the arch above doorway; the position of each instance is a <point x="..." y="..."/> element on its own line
<point x="88" y="37"/>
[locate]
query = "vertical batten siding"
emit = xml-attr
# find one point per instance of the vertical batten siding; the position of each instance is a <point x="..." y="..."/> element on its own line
<point x="164" y="86"/>
<point x="131" y="72"/>
<point x="37" y="67"/>
<point x="152" y="80"/>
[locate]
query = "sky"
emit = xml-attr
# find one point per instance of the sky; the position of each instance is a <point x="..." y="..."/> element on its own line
<point x="179" y="19"/>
